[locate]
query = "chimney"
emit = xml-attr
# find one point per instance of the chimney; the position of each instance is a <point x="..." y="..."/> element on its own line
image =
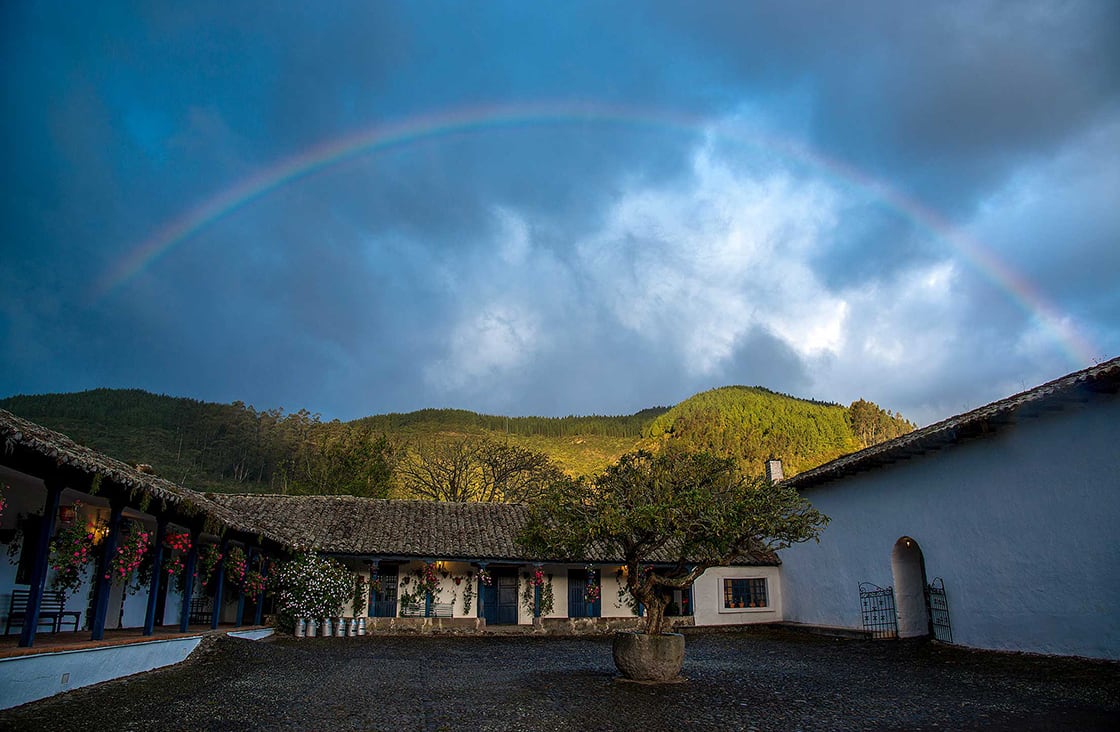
<point x="774" y="471"/>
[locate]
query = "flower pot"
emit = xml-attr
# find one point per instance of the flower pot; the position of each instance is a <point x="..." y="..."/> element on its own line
<point x="301" y="627"/>
<point x="340" y="628"/>
<point x="352" y="628"/>
<point x="361" y="626"/>
<point x="312" y="628"/>
<point x="653" y="658"/>
<point x="326" y="626"/>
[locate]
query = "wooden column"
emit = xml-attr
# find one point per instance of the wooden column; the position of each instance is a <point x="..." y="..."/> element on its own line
<point x="188" y="580"/>
<point x="103" y="581"/>
<point x="219" y="584"/>
<point x="157" y="575"/>
<point x="39" y="567"/>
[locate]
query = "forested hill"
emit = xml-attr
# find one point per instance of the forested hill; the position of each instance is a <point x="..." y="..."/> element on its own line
<point x="234" y="447"/>
<point x="753" y="424"/>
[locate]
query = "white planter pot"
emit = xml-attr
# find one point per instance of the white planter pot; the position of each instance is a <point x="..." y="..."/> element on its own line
<point x="326" y="626"/>
<point x="301" y="627"/>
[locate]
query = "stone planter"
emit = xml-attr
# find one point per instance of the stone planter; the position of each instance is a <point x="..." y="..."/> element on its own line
<point x="653" y="658"/>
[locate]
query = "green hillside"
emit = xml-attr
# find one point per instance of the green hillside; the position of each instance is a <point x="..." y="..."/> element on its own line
<point x="753" y="424"/>
<point x="234" y="447"/>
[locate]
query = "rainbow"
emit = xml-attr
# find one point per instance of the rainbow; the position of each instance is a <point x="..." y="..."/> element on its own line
<point x="469" y="120"/>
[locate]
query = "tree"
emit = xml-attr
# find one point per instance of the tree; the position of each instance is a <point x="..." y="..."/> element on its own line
<point x="474" y="469"/>
<point x="872" y="424"/>
<point x="668" y="517"/>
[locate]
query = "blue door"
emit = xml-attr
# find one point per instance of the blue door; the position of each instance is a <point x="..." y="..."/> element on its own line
<point x="500" y="598"/>
<point x="578" y="606"/>
<point x="384" y="604"/>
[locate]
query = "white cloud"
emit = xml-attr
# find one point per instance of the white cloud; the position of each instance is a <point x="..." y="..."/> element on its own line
<point x="695" y="266"/>
<point x="483" y="347"/>
<point x="514" y="242"/>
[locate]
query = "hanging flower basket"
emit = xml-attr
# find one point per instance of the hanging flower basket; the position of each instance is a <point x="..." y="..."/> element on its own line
<point x="71" y="550"/>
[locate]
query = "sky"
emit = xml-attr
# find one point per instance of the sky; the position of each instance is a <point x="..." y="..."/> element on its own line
<point x="558" y="208"/>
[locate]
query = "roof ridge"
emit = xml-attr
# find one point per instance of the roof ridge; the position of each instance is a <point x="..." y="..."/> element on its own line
<point x="1105" y="371"/>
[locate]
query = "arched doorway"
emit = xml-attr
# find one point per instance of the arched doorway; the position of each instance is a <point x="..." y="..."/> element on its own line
<point x="909" y="570"/>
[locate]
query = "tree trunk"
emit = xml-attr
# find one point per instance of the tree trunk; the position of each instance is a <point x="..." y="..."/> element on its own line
<point x="653" y="598"/>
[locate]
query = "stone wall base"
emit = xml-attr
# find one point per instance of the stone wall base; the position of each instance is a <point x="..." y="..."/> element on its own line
<point x="539" y="626"/>
<point x="405" y="626"/>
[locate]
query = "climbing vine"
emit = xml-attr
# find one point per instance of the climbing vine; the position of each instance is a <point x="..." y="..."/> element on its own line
<point x="528" y="595"/>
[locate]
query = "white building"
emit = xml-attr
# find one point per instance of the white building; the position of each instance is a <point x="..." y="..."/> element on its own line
<point x="394" y="541"/>
<point x="1014" y="507"/>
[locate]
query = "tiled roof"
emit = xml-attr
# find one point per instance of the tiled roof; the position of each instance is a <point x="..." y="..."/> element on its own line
<point x="386" y="528"/>
<point x="1104" y="378"/>
<point x="19" y="435"/>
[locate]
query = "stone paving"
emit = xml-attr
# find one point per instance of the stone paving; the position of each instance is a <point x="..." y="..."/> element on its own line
<point x="757" y="679"/>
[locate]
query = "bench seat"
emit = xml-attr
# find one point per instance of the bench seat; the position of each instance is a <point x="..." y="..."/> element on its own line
<point x="52" y="611"/>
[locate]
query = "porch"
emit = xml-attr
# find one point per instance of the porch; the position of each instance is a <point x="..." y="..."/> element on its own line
<point x="70" y="660"/>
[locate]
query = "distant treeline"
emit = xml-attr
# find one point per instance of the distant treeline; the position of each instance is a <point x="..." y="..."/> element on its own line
<point x="209" y="446"/>
<point x="633" y="425"/>
<point x="235" y="447"/>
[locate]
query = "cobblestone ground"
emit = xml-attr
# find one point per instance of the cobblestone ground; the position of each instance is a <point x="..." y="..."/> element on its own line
<point x="762" y="679"/>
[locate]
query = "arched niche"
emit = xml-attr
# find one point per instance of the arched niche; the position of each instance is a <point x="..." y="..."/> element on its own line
<point x="909" y="570"/>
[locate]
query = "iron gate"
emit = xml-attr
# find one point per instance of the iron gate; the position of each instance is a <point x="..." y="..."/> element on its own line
<point x="877" y="606"/>
<point x="938" y="605"/>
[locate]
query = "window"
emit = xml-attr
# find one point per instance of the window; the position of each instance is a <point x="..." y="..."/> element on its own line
<point x="744" y="593"/>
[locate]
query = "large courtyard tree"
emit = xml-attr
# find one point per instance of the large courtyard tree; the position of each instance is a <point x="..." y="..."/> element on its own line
<point x="474" y="469"/>
<point x="668" y="517"/>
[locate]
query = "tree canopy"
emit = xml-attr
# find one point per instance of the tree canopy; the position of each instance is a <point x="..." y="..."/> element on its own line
<point x="474" y="469"/>
<point x="668" y="517"/>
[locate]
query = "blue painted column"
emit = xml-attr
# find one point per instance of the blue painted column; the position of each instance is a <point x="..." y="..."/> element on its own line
<point x="481" y="592"/>
<point x="103" y="584"/>
<point x="258" y="616"/>
<point x="219" y="584"/>
<point x="39" y="568"/>
<point x="252" y="554"/>
<point x="157" y="575"/>
<point x="536" y="593"/>
<point x="372" y="609"/>
<point x="188" y="581"/>
<point x="427" y="604"/>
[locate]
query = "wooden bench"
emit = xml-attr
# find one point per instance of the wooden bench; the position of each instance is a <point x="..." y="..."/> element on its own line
<point x="201" y="610"/>
<point x="416" y="610"/>
<point x="51" y="611"/>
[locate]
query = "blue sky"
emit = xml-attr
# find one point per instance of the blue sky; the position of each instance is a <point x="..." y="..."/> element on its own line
<point x="558" y="208"/>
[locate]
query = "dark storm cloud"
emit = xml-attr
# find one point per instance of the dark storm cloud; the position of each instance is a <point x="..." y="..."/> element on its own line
<point x="655" y="246"/>
<point x="943" y="96"/>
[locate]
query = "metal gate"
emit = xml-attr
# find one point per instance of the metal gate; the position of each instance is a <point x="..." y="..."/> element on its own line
<point x="938" y="605"/>
<point x="877" y="606"/>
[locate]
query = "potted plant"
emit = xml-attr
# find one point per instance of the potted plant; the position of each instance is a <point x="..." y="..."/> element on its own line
<point x="312" y="587"/>
<point x="690" y="511"/>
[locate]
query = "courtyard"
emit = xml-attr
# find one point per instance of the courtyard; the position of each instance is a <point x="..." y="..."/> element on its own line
<point x="756" y="679"/>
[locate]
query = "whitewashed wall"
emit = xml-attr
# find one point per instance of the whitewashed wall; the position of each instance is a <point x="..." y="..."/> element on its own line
<point x="707" y="597"/>
<point x="1021" y="525"/>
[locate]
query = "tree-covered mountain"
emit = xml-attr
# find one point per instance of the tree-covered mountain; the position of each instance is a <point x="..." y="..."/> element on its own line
<point x="753" y="424"/>
<point x="235" y="447"/>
